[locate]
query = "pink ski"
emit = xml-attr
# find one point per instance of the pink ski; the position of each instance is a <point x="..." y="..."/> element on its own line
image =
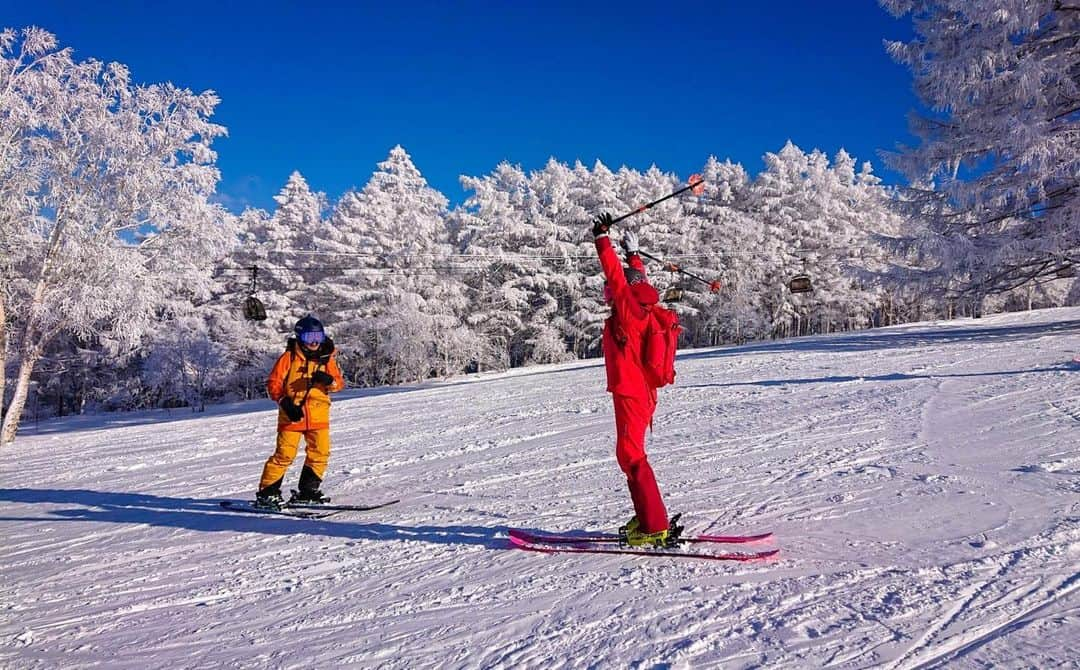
<point x="544" y="538"/>
<point x="519" y="541"/>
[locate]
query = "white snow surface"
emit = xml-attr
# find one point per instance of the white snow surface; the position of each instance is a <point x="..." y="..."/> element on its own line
<point x="922" y="483"/>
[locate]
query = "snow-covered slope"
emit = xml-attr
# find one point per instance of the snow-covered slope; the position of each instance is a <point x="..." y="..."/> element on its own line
<point x="922" y="482"/>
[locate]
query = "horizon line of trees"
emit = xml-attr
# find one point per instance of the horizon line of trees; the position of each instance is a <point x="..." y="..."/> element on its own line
<point x="411" y="289"/>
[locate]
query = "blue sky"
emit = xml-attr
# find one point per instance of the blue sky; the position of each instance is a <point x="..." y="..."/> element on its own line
<point x="328" y="88"/>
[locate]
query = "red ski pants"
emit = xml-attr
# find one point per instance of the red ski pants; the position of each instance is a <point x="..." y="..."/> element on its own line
<point x="632" y="418"/>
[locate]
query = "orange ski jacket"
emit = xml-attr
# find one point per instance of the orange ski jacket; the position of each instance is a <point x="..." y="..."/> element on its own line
<point x="291" y="376"/>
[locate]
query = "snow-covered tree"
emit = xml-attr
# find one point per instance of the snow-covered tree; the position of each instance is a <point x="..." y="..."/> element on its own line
<point x="291" y="239"/>
<point x="495" y="225"/>
<point x="557" y="203"/>
<point x="793" y="222"/>
<point x="999" y="158"/>
<point x="108" y="238"/>
<point x="519" y="270"/>
<point x="351" y="288"/>
<point x="394" y="296"/>
<point x="726" y="247"/>
<point x="816" y="220"/>
<point x="117" y="212"/>
<point x="298" y="216"/>
<point x="29" y="82"/>
<point x="265" y="264"/>
<point x="185" y="366"/>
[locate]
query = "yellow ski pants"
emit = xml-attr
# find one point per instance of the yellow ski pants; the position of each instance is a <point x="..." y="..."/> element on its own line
<point x="317" y="453"/>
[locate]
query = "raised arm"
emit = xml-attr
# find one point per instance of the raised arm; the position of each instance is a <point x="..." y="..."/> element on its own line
<point x="609" y="262"/>
<point x="623" y="303"/>
<point x="633" y="258"/>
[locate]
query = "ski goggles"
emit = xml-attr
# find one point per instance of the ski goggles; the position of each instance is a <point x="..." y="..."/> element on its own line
<point x="313" y="337"/>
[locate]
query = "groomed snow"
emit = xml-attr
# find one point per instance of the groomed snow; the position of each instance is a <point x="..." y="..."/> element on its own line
<point x="922" y="482"/>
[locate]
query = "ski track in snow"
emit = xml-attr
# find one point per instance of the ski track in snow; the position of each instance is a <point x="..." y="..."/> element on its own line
<point x="921" y="482"/>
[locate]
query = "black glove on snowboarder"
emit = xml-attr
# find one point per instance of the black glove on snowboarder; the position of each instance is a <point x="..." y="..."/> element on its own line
<point x="324" y="378"/>
<point x="291" y="409"/>
<point x="601" y="225"/>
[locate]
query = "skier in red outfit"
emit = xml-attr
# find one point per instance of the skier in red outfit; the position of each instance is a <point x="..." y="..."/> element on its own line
<point x="631" y="297"/>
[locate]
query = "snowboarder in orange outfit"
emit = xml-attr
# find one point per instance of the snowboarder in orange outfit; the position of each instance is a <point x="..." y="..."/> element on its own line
<point x="631" y="297"/>
<point x="300" y="383"/>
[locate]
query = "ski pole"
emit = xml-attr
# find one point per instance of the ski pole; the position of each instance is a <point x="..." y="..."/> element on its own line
<point x="714" y="286"/>
<point x="697" y="184"/>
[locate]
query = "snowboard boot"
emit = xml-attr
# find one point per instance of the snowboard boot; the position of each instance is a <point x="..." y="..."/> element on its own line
<point x="269" y="497"/>
<point x="309" y="493"/>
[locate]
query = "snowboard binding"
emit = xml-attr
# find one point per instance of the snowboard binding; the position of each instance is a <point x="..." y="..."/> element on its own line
<point x="307" y="498"/>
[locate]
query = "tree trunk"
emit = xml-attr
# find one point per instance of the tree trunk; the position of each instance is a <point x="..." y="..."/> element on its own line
<point x="34" y="339"/>
<point x="31" y="354"/>
<point x="33" y="346"/>
<point x="3" y="357"/>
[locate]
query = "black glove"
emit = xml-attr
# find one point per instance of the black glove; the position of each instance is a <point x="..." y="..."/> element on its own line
<point x="291" y="409"/>
<point x="324" y="378"/>
<point x="601" y="225"/>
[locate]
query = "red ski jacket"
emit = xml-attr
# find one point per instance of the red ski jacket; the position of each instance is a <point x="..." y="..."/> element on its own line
<point x="624" y="330"/>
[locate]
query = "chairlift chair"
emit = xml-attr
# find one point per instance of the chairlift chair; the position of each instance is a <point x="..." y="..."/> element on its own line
<point x="254" y="310"/>
<point x="800" y="284"/>
<point x="672" y="294"/>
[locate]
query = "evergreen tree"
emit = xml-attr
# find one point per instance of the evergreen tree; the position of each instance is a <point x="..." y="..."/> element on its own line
<point x="493" y="228"/>
<point x="728" y="245"/>
<point x="291" y="239"/>
<point x="398" y="300"/>
<point x="574" y="283"/>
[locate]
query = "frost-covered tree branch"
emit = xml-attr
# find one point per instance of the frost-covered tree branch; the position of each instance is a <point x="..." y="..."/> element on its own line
<point x="106" y="186"/>
<point x="1001" y="141"/>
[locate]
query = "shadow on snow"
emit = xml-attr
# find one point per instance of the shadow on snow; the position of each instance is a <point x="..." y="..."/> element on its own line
<point x="208" y="516"/>
<point x="891" y="377"/>
<point x="878" y="339"/>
